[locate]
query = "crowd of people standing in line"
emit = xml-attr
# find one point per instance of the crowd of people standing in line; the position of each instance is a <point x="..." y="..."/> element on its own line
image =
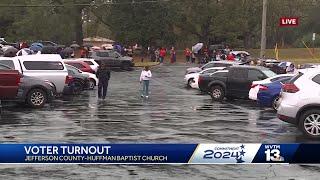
<point x="202" y="56"/>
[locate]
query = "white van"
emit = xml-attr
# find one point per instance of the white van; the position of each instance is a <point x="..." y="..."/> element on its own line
<point x="44" y="66"/>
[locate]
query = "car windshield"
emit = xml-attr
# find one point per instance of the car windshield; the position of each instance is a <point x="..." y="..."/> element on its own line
<point x="269" y="73"/>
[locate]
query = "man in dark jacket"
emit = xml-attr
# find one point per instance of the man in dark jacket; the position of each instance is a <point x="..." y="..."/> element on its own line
<point x="103" y="74"/>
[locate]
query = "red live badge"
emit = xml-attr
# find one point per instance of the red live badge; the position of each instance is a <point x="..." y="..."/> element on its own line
<point x="289" y="22"/>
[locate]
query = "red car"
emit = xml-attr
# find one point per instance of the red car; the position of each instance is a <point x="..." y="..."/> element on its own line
<point x="9" y="83"/>
<point x="80" y="65"/>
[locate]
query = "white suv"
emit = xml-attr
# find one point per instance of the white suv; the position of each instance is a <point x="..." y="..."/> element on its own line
<point x="300" y="102"/>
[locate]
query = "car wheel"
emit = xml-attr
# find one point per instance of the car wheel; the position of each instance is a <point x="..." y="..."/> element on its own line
<point x="190" y="81"/>
<point x="275" y="103"/>
<point x="92" y="84"/>
<point x="36" y="98"/>
<point x="309" y="123"/>
<point x="77" y="88"/>
<point x="217" y="93"/>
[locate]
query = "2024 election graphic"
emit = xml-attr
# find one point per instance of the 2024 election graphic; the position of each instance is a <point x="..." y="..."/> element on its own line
<point x="159" y="153"/>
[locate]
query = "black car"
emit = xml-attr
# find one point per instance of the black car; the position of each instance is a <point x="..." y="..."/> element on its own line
<point x="112" y="59"/>
<point x="76" y="81"/>
<point x="234" y="83"/>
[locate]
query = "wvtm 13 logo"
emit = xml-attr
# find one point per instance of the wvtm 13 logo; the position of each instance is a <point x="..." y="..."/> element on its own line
<point x="273" y="153"/>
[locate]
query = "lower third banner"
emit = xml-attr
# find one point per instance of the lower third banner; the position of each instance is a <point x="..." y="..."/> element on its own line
<point x="159" y="153"/>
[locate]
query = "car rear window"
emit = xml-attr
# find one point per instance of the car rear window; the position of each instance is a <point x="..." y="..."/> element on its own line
<point x="4" y="67"/>
<point x="77" y="65"/>
<point x="294" y="78"/>
<point x="102" y="54"/>
<point x="89" y="62"/>
<point x="8" y="63"/>
<point x="278" y="78"/>
<point x="43" y="65"/>
<point x="316" y="79"/>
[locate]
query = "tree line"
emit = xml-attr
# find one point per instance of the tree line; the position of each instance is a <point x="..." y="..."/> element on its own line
<point x="160" y="23"/>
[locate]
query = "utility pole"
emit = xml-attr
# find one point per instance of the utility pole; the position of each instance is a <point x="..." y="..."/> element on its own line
<point x="263" y="29"/>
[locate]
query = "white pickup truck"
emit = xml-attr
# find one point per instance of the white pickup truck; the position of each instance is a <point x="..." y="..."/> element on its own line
<point x="49" y="67"/>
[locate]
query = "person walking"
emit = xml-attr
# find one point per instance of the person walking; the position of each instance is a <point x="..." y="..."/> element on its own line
<point x="187" y="54"/>
<point x="103" y="74"/>
<point x="162" y="54"/>
<point x="173" y="55"/>
<point x="144" y="79"/>
<point x="157" y="53"/>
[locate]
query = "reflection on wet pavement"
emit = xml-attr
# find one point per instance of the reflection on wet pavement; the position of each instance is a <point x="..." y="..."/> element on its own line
<point x="173" y="114"/>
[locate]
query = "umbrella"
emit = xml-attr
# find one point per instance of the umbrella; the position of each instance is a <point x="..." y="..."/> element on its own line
<point x="68" y="50"/>
<point x="49" y="50"/>
<point x="24" y="51"/>
<point x="9" y="51"/>
<point x="36" y="47"/>
<point x="87" y="45"/>
<point x="197" y="47"/>
<point x="74" y="45"/>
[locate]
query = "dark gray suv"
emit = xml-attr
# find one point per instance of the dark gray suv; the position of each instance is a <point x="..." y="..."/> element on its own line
<point x="112" y="59"/>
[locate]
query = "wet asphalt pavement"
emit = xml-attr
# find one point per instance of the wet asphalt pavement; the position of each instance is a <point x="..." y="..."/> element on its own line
<point x="172" y="114"/>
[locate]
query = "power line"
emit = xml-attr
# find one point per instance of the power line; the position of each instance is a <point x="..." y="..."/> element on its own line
<point x="83" y="4"/>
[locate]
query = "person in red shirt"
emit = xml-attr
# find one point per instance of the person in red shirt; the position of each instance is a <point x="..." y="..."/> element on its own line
<point x="230" y="57"/>
<point x="187" y="54"/>
<point x="162" y="54"/>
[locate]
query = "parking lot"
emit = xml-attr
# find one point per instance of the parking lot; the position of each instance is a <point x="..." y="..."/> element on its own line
<point x="172" y="114"/>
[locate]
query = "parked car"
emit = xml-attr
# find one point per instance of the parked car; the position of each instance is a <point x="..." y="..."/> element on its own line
<point x="268" y="94"/>
<point x="212" y="64"/>
<point x="255" y="84"/>
<point x="93" y="80"/>
<point x="235" y="83"/>
<point x="76" y="82"/>
<point x="300" y="102"/>
<point x="83" y="66"/>
<point x="91" y="62"/>
<point x="50" y="44"/>
<point x="32" y="91"/>
<point x="310" y="65"/>
<point x="112" y="59"/>
<point x="43" y="66"/>
<point x="5" y="43"/>
<point x="192" y="78"/>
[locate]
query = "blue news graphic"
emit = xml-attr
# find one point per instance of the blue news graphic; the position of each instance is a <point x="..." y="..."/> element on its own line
<point x="160" y="153"/>
<point x="275" y="153"/>
<point x="96" y="153"/>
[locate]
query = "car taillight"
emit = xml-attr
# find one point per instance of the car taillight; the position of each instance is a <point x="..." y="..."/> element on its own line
<point x="290" y="88"/>
<point x="254" y="85"/>
<point x="18" y="80"/>
<point x="200" y="79"/>
<point x="263" y="88"/>
<point x="68" y="79"/>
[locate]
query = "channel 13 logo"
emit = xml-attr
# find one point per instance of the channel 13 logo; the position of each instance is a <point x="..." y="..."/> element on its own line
<point x="273" y="153"/>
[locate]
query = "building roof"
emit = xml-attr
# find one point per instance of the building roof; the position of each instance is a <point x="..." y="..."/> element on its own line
<point x="98" y="39"/>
